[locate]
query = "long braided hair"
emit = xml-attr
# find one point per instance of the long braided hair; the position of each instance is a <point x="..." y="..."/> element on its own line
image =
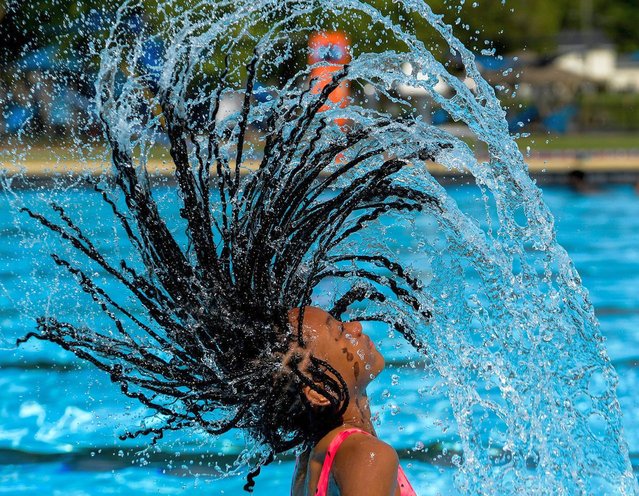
<point x="208" y="353"/>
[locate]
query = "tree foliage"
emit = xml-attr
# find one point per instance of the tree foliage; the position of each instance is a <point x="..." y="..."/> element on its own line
<point x="506" y="25"/>
<point x="534" y="24"/>
<point x="620" y="20"/>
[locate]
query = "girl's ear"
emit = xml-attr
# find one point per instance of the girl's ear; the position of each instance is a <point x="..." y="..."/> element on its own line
<point x="314" y="398"/>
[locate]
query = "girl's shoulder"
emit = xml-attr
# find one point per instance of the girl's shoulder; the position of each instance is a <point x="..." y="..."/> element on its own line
<point x="359" y="460"/>
<point x="352" y="442"/>
<point x="367" y="449"/>
<point x="364" y="459"/>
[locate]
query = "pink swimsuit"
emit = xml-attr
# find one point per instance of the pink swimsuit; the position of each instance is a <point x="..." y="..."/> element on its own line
<point x="322" y="485"/>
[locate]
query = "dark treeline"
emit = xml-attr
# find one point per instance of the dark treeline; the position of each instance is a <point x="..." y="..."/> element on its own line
<point x="510" y="26"/>
<point x="535" y="24"/>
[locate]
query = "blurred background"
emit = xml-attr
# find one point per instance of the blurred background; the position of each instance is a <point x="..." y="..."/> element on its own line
<point x="566" y="70"/>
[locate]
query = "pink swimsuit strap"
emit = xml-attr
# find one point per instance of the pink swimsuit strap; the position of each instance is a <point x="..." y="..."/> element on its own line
<point x="322" y="485"/>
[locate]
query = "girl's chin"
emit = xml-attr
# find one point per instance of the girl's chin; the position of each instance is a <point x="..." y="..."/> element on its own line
<point x="377" y="363"/>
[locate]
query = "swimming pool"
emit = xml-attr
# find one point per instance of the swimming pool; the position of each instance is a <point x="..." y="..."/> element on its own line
<point x="59" y="420"/>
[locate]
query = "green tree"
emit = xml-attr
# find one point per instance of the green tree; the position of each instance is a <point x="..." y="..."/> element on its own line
<point x="509" y="26"/>
<point x="620" y="20"/>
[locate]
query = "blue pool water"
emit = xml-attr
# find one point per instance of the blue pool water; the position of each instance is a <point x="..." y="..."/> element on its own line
<point x="59" y="419"/>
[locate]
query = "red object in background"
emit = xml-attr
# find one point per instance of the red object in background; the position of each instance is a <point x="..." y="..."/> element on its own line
<point x="333" y="48"/>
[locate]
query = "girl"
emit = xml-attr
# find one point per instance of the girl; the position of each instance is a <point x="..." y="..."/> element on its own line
<point x="347" y="459"/>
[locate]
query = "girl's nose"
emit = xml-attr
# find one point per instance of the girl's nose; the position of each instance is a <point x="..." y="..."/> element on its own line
<point x="355" y="328"/>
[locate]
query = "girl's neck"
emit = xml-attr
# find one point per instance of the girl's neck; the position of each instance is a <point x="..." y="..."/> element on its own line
<point x="358" y="414"/>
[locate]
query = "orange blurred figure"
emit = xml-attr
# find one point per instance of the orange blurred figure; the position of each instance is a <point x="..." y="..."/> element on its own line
<point x="333" y="48"/>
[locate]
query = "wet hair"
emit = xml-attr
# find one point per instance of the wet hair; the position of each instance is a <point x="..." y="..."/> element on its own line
<point x="209" y="353"/>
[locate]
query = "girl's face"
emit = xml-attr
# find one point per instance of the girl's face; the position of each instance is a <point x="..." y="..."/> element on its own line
<point x="342" y="344"/>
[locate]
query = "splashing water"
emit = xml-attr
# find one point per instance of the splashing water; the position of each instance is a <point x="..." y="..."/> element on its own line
<point x="509" y="330"/>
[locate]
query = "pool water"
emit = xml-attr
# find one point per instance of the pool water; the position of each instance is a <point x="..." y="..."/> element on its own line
<point x="60" y="420"/>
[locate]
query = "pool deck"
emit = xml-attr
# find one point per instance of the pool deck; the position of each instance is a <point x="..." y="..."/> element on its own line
<point x="549" y="168"/>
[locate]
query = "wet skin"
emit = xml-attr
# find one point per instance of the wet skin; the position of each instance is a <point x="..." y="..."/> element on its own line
<point x="364" y="465"/>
